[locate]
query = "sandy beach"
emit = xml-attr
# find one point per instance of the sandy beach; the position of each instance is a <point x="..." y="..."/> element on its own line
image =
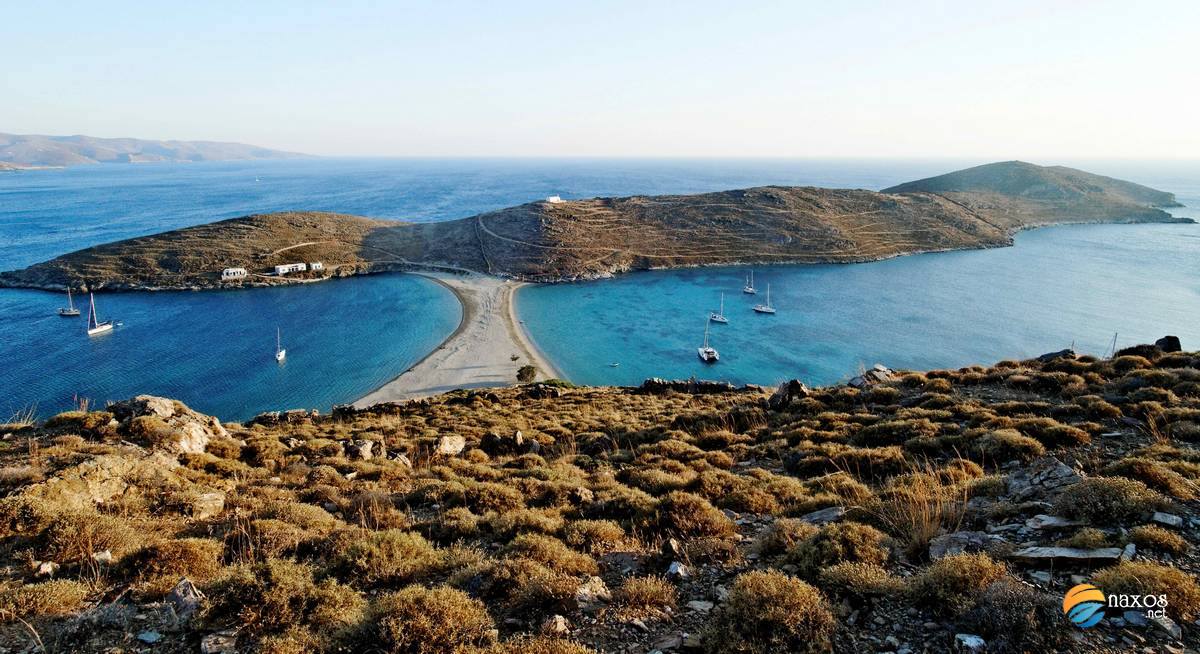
<point x="479" y="353"/>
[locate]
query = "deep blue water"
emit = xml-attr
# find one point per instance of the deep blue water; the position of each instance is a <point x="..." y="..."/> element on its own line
<point x="344" y="338"/>
<point x="1057" y="287"/>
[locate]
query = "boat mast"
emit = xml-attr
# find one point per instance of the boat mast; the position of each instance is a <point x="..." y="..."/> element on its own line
<point x="278" y="342"/>
<point x="92" y="321"/>
<point x="706" y="334"/>
<point x="721" y="311"/>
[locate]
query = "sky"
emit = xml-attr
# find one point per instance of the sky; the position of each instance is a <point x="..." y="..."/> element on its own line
<point x="641" y="78"/>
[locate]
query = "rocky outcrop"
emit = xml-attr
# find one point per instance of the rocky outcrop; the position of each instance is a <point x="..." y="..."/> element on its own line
<point x="188" y="432"/>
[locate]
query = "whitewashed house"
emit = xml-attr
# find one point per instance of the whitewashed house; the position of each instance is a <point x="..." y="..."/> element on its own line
<point x="554" y="199"/>
<point x="233" y="273"/>
<point x="285" y="268"/>
<point x="316" y="266"/>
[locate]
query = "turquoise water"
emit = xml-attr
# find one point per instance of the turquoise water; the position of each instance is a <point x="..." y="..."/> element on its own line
<point x="1057" y="286"/>
<point x="215" y="351"/>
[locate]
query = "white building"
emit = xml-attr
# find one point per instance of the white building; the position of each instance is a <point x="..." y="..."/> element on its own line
<point x="316" y="266"/>
<point x="554" y="199"/>
<point x="233" y="273"/>
<point x="286" y="268"/>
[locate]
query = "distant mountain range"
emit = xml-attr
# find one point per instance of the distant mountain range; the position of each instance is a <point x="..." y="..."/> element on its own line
<point x="34" y="151"/>
<point x="559" y="240"/>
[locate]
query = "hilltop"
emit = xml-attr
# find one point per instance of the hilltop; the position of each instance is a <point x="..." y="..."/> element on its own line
<point x="581" y="239"/>
<point x="33" y="150"/>
<point x="905" y="512"/>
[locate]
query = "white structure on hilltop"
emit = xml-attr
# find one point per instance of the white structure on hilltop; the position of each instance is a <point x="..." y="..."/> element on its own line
<point x="554" y="199"/>
<point x="233" y="273"/>
<point x="316" y="266"/>
<point x="286" y="268"/>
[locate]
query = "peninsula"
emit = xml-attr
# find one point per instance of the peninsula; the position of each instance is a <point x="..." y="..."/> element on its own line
<point x="23" y="151"/>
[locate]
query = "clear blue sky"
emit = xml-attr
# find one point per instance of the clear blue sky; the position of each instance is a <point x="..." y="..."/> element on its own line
<point x="638" y="78"/>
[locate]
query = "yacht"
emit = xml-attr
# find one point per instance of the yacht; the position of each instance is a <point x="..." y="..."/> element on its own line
<point x="707" y="353"/>
<point x="280" y="353"/>
<point x="749" y="287"/>
<point x="719" y="315"/>
<point x="765" y="308"/>
<point x="94" y="326"/>
<point x="69" y="311"/>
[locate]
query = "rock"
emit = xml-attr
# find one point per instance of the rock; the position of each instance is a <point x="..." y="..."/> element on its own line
<point x="656" y="386"/>
<point x="190" y="431"/>
<point x="672" y="641"/>
<point x="1061" y="354"/>
<point x="556" y="625"/>
<point x="221" y="642"/>
<point x="1042" y="576"/>
<point x="1129" y="551"/>
<point x="672" y="548"/>
<point x="1168" y="625"/>
<point x="639" y="624"/>
<point x="692" y="641"/>
<point x="1042" y="521"/>
<point x="787" y="391"/>
<point x="149" y="637"/>
<point x="678" y="571"/>
<point x="824" y="516"/>
<point x="45" y="568"/>
<point x="403" y="460"/>
<point x="876" y="375"/>
<point x="1167" y="519"/>
<point x="969" y="643"/>
<point x="1067" y="555"/>
<point x="363" y="450"/>
<point x="450" y="445"/>
<point x="103" y="557"/>
<point x="1169" y="344"/>
<point x="961" y="542"/>
<point x="592" y="594"/>
<point x="103" y="479"/>
<point x="185" y="598"/>
<point x="207" y="505"/>
<point x="1135" y="618"/>
<point x="700" y="605"/>
<point x="1044" y="476"/>
<point x="497" y="445"/>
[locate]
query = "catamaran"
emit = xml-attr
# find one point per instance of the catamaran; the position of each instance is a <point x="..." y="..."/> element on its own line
<point x="94" y="325"/>
<point x="280" y="353"/>
<point x="765" y="308"/>
<point x="707" y="353"/>
<point x="749" y="287"/>
<point x="68" y="311"/>
<point x="719" y="315"/>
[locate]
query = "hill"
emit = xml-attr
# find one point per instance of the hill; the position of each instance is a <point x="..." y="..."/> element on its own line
<point x="581" y="239"/>
<point x="37" y="150"/>
<point x="677" y="516"/>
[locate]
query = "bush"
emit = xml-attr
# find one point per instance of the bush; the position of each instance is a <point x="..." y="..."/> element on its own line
<point x="771" y="612"/>
<point x="857" y="580"/>
<point x="526" y="374"/>
<point x="952" y="584"/>
<point x="646" y="594"/>
<point x="1156" y="475"/>
<point x="198" y="558"/>
<point x="272" y="596"/>
<point x="72" y="538"/>
<point x="1004" y="445"/>
<point x="1144" y="578"/>
<point x="552" y="553"/>
<point x="596" y="537"/>
<point x="391" y="556"/>
<point x="1153" y="537"/>
<point x="419" y="620"/>
<point x="687" y="516"/>
<point x="842" y="542"/>
<point x="1015" y="618"/>
<point x="1107" y="499"/>
<point x="58" y="597"/>
<point x="525" y="644"/>
<point x="783" y="536"/>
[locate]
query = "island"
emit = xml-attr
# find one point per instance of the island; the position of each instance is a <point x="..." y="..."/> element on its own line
<point x="32" y="151"/>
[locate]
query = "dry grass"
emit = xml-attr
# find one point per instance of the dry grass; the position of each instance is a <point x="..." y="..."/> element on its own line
<point x="771" y="612"/>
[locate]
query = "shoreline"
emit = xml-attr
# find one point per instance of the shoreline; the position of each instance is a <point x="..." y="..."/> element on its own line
<point x="478" y="353"/>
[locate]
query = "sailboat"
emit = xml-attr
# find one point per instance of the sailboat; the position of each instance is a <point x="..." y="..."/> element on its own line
<point x="719" y="316"/>
<point x="749" y="287"/>
<point x="707" y="353"/>
<point x="766" y="308"/>
<point x="280" y="353"/>
<point x="94" y="325"/>
<point x="68" y="311"/>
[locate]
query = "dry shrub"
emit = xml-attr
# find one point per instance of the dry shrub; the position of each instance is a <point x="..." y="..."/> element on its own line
<point x="1153" y="537"/>
<point x="953" y="583"/>
<point x="73" y="537"/>
<point x="916" y="507"/>
<point x="510" y="523"/>
<point x="295" y="640"/>
<point x="596" y="537"/>
<point x="57" y="597"/>
<point x="687" y="515"/>
<point x="837" y="543"/>
<point x="198" y="558"/>
<point x="526" y="644"/>
<point x="1015" y="618"/>
<point x="1088" y="538"/>
<point x="767" y="612"/>
<point x="1004" y="445"/>
<point x="375" y="510"/>
<point x="643" y="595"/>
<point x="1145" y="578"/>
<point x="455" y="524"/>
<point x="520" y="585"/>
<point x="1051" y="433"/>
<point x="277" y="594"/>
<point x="783" y="536"/>
<point x="1108" y="499"/>
<point x="391" y="556"/>
<point x="857" y="580"/>
<point x="1156" y="475"/>
<point x="552" y="553"/>
<point x="419" y="620"/>
<point x="490" y="496"/>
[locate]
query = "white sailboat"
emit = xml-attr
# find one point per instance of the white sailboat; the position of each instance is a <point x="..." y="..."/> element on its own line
<point x="280" y="353"/>
<point x="765" y="308"/>
<point x="719" y="315"/>
<point x="749" y="287"/>
<point x="69" y="311"/>
<point x="706" y="352"/>
<point x="94" y="326"/>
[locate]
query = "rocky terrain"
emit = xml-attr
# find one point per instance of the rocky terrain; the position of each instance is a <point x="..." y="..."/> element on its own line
<point x="33" y="150"/>
<point x="905" y="512"/>
<point x="580" y="239"/>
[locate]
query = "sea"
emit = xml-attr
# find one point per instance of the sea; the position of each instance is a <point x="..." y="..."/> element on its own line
<point x="1083" y="286"/>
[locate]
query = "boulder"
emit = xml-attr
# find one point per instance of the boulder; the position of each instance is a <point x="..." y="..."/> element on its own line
<point x="969" y="643"/>
<point x="1045" y="476"/>
<point x="1042" y="521"/>
<point x="1167" y="519"/>
<point x="1040" y="555"/>
<point x="824" y="516"/>
<point x="656" y="386"/>
<point x="450" y="445"/>
<point x="962" y="542"/>
<point x="220" y="642"/>
<point x="190" y="431"/>
<point x="1169" y="344"/>
<point x="207" y="505"/>
<point x="787" y="391"/>
<point x="878" y="374"/>
<point x="592" y="595"/>
<point x="102" y="479"/>
<point x="556" y="625"/>
<point x="498" y="445"/>
<point x="364" y="450"/>
<point x="678" y="571"/>
<point x="186" y="599"/>
<point x="1061" y="354"/>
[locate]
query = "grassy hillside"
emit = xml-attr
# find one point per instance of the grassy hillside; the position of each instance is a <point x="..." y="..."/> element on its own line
<point x="678" y="517"/>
